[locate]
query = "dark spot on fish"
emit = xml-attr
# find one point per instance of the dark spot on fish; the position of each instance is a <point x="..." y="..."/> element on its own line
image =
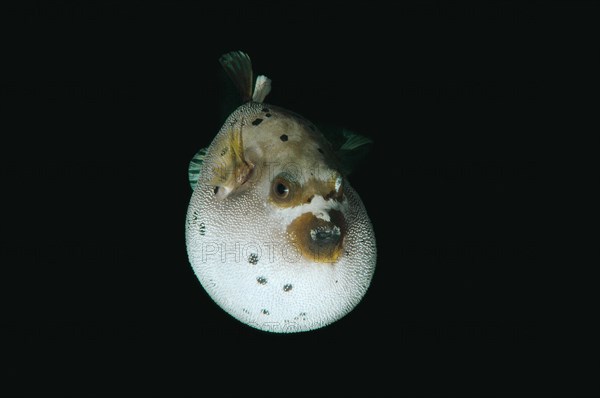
<point x="310" y="199"/>
<point x="262" y="280"/>
<point x="224" y="151"/>
<point x="287" y="287"/>
<point x="215" y="190"/>
<point x="300" y="315"/>
<point x="283" y="137"/>
<point x="265" y="109"/>
<point x="202" y="228"/>
<point x="268" y="115"/>
<point x="256" y="121"/>
<point x="245" y="311"/>
<point x="253" y="258"/>
<point x="320" y="150"/>
<point x="336" y="281"/>
<point x="194" y="218"/>
<point x="266" y="312"/>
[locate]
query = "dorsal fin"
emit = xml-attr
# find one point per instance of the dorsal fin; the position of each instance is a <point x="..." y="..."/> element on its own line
<point x="238" y="66"/>
<point x="261" y="89"/>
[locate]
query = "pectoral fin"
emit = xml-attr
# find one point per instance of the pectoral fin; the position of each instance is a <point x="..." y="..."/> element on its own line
<point x="351" y="148"/>
<point x="354" y="140"/>
<point x="194" y="167"/>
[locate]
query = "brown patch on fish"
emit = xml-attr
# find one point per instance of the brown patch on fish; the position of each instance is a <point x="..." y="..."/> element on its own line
<point x="319" y="240"/>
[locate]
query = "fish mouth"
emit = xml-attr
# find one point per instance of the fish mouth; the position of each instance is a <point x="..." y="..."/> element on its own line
<point x="319" y="240"/>
<point x="326" y="234"/>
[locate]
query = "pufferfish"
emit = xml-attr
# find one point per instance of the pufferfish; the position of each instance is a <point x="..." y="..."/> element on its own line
<point x="274" y="232"/>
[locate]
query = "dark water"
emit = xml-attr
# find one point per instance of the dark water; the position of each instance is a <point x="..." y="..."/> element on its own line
<point x="475" y="113"/>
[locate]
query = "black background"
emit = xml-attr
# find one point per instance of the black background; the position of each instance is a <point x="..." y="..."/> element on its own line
<point x="476" y="110"/>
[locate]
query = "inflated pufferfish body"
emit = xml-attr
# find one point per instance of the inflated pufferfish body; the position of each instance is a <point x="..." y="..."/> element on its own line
<point x="275" y="233"/>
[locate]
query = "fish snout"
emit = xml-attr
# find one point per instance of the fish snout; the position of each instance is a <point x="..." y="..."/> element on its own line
<point x="319" y="240"/>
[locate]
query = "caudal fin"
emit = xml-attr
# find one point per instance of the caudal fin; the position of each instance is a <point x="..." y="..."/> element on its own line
<point x="238" y="66"/>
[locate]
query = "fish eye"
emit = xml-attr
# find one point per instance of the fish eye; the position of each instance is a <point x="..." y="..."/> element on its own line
<point x="282" y="189"/>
